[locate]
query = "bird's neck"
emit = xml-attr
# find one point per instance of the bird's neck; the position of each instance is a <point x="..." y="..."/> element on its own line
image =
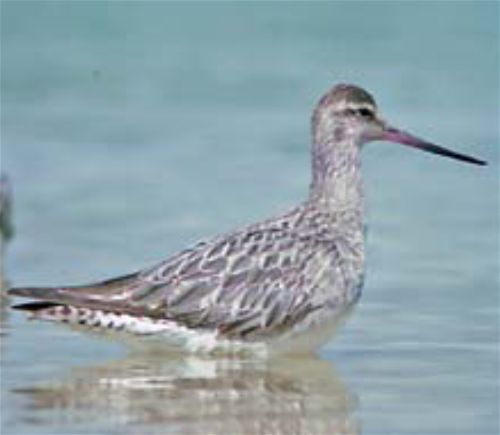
<point x="336" y="176"/>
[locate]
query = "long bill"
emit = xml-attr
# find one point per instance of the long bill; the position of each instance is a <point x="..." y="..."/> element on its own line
<point x="392" y="134"/>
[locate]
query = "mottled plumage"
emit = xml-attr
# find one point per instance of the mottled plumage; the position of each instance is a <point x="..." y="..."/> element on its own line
<point x="278" y="279"/>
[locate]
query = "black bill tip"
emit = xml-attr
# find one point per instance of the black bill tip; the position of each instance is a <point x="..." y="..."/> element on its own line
<point x="394" y="135"/>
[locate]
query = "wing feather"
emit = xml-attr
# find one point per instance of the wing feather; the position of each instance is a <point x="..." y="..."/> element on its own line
<point x="246" y="284"/>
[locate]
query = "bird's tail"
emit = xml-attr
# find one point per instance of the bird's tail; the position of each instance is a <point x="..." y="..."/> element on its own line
<point x="107" y="294"/>
<point x="43" y="310"/>
<point x="115" y="304"/>
<point x="81" y="307"/>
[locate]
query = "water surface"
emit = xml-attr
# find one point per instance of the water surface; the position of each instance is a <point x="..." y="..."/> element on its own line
<point x="132" y="129"/>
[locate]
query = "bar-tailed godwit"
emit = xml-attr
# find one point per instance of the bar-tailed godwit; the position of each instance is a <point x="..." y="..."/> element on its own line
<point x="280" y="284"/>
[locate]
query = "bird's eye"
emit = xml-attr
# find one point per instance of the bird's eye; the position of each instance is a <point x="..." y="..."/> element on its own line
<point x="365" y="113"/>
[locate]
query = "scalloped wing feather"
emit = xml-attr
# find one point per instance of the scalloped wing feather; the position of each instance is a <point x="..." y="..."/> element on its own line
<point x="253" y="282"/>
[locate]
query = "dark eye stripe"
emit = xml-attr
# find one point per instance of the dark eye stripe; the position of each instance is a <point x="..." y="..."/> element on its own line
<point x="365" y="113"/>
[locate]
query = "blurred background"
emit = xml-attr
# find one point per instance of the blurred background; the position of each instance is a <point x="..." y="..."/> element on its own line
<point x="131" y="129"/>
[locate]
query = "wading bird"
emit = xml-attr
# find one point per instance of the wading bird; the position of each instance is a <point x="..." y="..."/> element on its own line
<point x="281" y="284"/>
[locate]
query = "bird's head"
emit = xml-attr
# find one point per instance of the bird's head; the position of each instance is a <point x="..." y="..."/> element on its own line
<point x="347" y="114"/>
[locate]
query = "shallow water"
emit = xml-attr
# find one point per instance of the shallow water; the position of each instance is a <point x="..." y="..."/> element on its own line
<point x="132" y="129"/>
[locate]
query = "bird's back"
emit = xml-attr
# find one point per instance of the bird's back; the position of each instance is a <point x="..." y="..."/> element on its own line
<point x="269" y="279"/>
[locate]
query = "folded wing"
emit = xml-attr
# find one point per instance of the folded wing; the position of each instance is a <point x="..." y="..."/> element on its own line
<point x="246" y="284"/>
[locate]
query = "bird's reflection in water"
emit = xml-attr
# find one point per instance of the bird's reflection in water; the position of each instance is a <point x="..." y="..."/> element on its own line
<point x="174" y="394"/>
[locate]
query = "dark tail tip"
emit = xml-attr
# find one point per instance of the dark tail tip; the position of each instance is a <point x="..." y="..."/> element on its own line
<point x="33" y="306"/>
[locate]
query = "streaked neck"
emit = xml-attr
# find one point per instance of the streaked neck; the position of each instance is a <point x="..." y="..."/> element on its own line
<point x="336" y="175"/>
